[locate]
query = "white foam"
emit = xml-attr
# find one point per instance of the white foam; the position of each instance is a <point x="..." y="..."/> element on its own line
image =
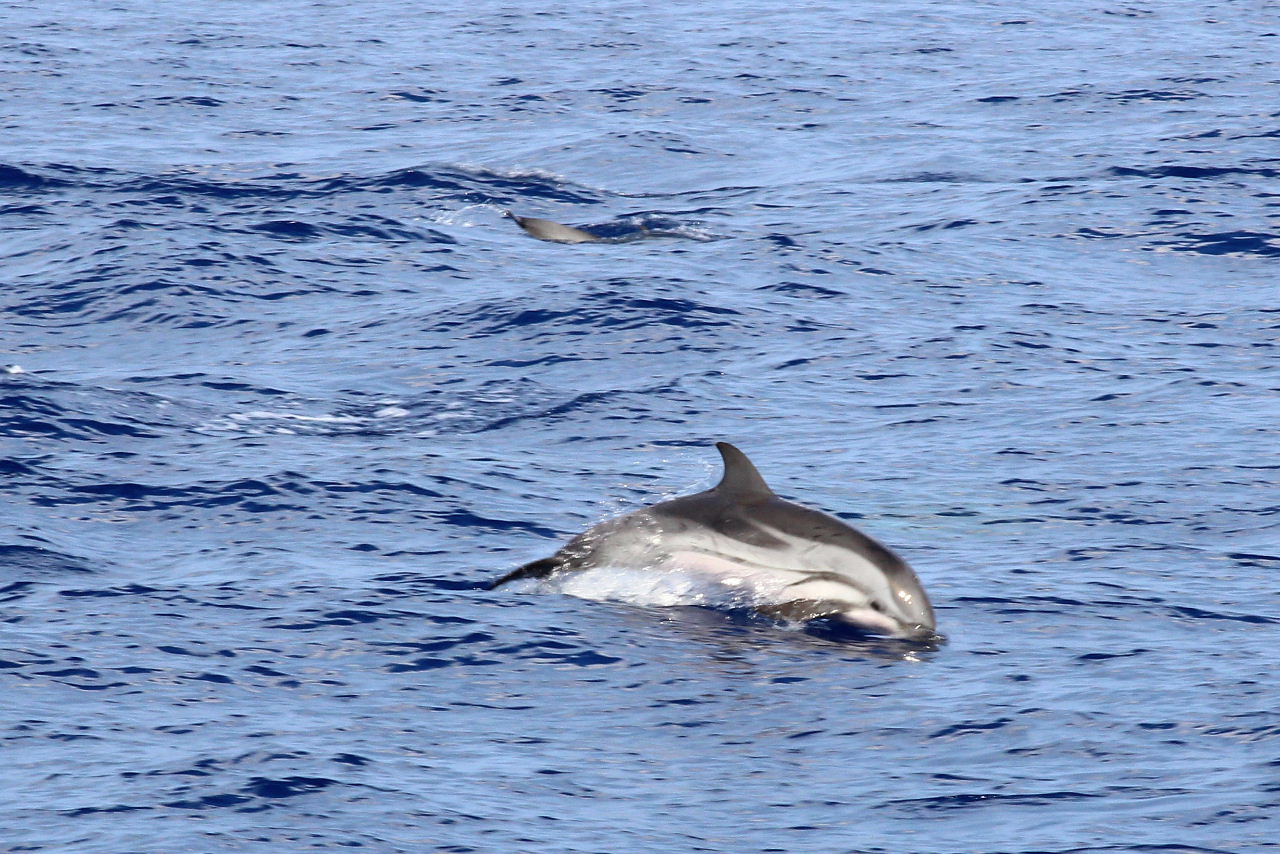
<point x="657" y="588"/>
<point x="264" y="421"/>
<point x="673" y="583"/>
<point x="265" y="415"/>
<point x="466" y="216"/>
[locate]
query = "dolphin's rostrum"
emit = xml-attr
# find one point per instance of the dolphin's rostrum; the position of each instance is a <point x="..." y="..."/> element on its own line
<point x="793" y="563"/>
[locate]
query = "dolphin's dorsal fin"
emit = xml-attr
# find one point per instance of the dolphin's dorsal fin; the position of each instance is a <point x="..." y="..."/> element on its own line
<point x="740" y="476"/>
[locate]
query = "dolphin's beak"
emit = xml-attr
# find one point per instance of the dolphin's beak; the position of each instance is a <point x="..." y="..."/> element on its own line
<point x="921" y="634"/>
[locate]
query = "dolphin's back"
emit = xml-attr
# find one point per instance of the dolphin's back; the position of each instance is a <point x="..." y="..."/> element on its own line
<point x="545" y="229"/>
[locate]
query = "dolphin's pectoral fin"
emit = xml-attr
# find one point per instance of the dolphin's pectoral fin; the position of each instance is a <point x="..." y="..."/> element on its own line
<point x="538" y="569"/>
<point x="801" y="610"/>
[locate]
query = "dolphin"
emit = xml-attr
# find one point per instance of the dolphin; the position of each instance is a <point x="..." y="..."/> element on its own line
<point x="792" y="563"/>
<point x="545" y="229"/>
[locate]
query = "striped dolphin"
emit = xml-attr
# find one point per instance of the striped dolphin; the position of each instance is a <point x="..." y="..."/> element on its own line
<point x="545" y="229"/>
<point x="789" y="562"/>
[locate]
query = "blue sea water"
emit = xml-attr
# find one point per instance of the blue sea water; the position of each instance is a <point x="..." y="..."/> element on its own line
<point x="995" y="281"/>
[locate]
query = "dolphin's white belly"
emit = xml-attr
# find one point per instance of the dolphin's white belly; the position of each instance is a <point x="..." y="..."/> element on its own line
<point x="693" y="577"/>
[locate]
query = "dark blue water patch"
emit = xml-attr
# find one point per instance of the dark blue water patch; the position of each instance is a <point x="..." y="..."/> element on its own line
<point x="421" y="96"/>
<point x="466" y="518"/>
<point x="22" y="415"/>
<point x="1171" y="848"/>
<point x="622" y="400"/>
<point x="399" y="648"/>
<point x="485" y="649"/>
<point x="346" y="617"/>
<point x="803" y="289"/>
<point x="1058" y="604"/>
<point x="39" y="409"/>
<point x="367" y="227"/>
<point x="1090" y="657"/>
<point x="138" y="497"/>
<point x="931" y="177"/>
<point x="1137" y="95"/>
<point x="219" y="678"/>
<point x="351" y="759"/>
<point x="288" y="787"/>
<point x="987" y="799"/>
<point x="1200" y="172"/>
<point x="1202" y="614"/>
<point x="1259" y="560"/>
<point x="112" y="592"/>
<point x="170" y="649"/>
<point x="557" y="652"/>
<point x="540" y="361"/>
<point x="289" y="228"/>
<point x="82" y="811"/>
<point x="185" y="189"/>
<point x="194" y="191"/>
<point x="950" y="224"/>
<point x="476" y="186"/>
<point x="970" y="727"/>
<point x="14" y="178"/>
<point x="25" y="561"/>
<point x="419" y="665"/>
<point x="1271" y="134"/>
<point x="23" y="210"/>
<point x="247" y="798"/>
<point x="283" y="492"/>
<point x="13" y="592"/>
<point x="1109" y="515"/>
<point x="414" y="583"/>
<point x="616" y="306"/>
<point x="187" y="101"/>
<point x="216" y="385"/>
<point x="1248" y="244"/>
<point x="89" y="428"/>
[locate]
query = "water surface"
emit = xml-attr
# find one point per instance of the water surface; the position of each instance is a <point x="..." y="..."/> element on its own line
<point x="995" y="282"/>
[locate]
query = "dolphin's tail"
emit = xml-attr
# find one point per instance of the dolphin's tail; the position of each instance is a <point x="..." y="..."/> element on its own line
<point x="537" y="569"/>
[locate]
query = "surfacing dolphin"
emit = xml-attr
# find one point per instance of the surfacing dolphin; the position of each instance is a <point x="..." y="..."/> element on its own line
<point x="792" y="562"/>
<point x="545" y="229"/>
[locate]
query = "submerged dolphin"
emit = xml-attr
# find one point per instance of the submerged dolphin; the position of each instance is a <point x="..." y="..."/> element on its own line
<point x="545" y="229"/>
<point x="795" y="563"/>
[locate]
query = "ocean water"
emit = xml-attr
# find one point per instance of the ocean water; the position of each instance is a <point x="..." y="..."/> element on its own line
<point x="996" y="282"/>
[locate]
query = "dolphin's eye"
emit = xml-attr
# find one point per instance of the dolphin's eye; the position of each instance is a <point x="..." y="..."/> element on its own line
<point x="876" y="606"/>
